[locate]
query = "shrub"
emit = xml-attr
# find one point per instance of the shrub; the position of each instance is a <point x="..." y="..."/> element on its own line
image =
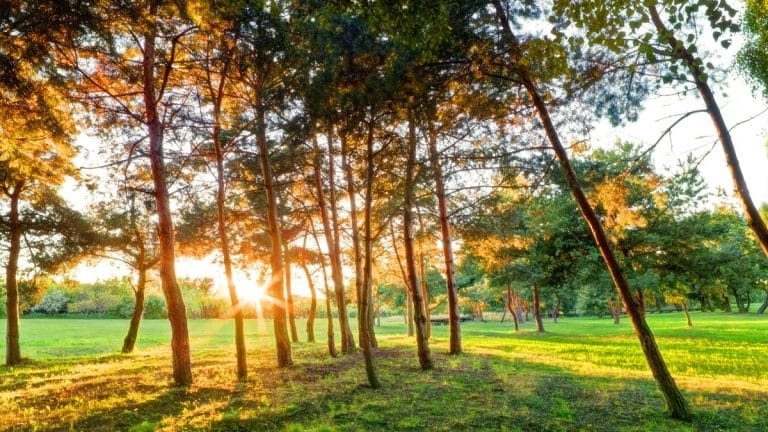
<point x="154" y="307"/>
<point x="54" y="301"/>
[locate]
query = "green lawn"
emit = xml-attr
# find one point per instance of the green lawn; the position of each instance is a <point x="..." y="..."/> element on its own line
<point x="583" y="374"/>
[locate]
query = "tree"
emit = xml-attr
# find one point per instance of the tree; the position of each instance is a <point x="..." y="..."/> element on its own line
<point x="676" y="404"/>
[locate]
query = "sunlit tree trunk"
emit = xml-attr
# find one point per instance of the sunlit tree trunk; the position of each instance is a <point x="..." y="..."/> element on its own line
<point x="12" y="345"/>
<point x="445" y="232"/>
<point x="354" y="229"/>
<point x="419" y="315"/>
<point x="365" y="291"/>
<point x="289" y="295"/>
<point x="328" y="310"/>
<point x="275" y="286"/>
<point x="676" y="403"/>
<point x="684" y="304"/>
<point x="331" y="237"/>
<point x="182" y="367"/>
<point x="408" y="297"/>
<point x="511" y="306"/>
<point x="312" y="302"/>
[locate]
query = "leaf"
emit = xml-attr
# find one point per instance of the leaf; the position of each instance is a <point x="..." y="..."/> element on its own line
<point x="726" y="43"/>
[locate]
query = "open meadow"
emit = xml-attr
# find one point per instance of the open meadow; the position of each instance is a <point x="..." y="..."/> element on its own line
<point x="583" y="374"/>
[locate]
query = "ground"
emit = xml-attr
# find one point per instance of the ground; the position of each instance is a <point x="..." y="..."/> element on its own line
<point x="583" y="374"/>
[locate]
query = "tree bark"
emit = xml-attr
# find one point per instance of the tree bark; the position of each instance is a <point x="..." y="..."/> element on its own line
<point x="511" y="308"/>
<point x="312" y="302"/>
<point x="425" y="295"/>
<point x="328" y="311"/>
<point x="419" y="315"/>
<point x="445" y="232"/>
<point x="221" y="219"/>
<point x="182" y="367"/>
<point x="764" y="306"/>
<point x="138" y="309"/>
<point x="12" y="345"/>
<point x="687" y="314"/>
<point x="347" y="340"/>
<point x="676" y="403"/>
<point x="275" y="286"/>
<point x="289" y="295"/>
<point x="364" y="318"/>
<point x="354" y="232"/>
<point x="537" y="309"/>
<point x="698" y="75"/>
<point x="408" y="297"/>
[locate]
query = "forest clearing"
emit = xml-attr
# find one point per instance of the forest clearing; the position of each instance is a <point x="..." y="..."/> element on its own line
<point x="582" y="374"/>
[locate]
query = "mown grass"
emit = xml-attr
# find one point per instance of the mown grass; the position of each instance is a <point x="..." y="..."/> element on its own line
<point x="583" y="374"/>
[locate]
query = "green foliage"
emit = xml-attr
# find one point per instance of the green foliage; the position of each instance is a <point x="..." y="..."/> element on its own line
<point x="54" y="301"/>
<point x="111" y="298"/>
<point x="154" y="307"/>
<point x="753" y="56"/>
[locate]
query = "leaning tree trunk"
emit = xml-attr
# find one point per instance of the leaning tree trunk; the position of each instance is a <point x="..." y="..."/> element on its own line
<point x="347" y="340"/>
<point x="537" y="308"/>
<point x="138" y="306"/>
<point x="365" y="292"/>
<point x="419" y="315"/>
<point x="275" y="286"/>
<point x="699" y="77"/>
<point x="687" y="313"/>
<point x="764" y="306"/>
<point x="182" y="367"/>
<point x="12" y="345"/>
<point x="425" y="295"/>
<point x="676" y="403"/>
<point x="445" y="232"/>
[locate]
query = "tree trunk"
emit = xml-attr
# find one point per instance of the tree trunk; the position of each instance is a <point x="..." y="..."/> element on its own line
<point x="275" y="286"/>
<point x="419" y="315"/>
<point x="445" y="232"/>
<point x="138" y="309"/>
<point x="764" y="306"/>
<point x="364" y="319"/>
<point x="354" y="230"/>
<point x="511" y="308"/>
<point x="425" y="295"/>
<point x="687" y="314"/>
<point x="312" y="303"/>
<point x="347" y="340"/>
<point x="699" y="76"/>
<point x="221" y="196"/>
<point x="289" y="295"/>
<point x="182" y="367"/>
<point x="676" y="403"/>
<point x="556" y="309"/>
<point x="408" y="297"/>
<point x="328" y="310"/>
<point x="12" y="345"/>
<point x="537" y="309"/>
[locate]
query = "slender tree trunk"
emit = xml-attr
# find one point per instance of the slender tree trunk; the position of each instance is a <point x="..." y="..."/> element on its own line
<point x="408" y="297"/>
<point x="419" y="314"/>
<point x="347" y="340"/>
<point x="328" y="310"/>
<point x="365" y="292"/>
<point x="676" y="403"/>
<point x="445" y="232"/>
<point x="354" y="230"/>
<point x="182" y="367"/>
<point x="275" y="286"/>
<point x="138" y="308"/>
<point x="221" y="218"/>
<point x="12" y="345"/>
<point x="425" y="295"/>
<point x="687" y="314"/>
<point x="312" y="303"/>
<point x="289" y="295"/>
<point x="511" y="309"/>
<point x="698" y="75"/>
<point x="556" y="309"/>
<point x="537" y="309"/>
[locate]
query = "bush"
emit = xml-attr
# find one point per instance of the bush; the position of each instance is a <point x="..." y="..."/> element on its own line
<point x="54" y="301"/>
<point x="154" y="307"/>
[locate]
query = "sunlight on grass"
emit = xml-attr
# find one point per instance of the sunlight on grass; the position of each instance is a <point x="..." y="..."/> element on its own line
<point x="582" y="374"/>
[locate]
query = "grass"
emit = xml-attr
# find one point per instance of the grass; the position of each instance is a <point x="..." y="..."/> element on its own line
<point x="583" y="374"/>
